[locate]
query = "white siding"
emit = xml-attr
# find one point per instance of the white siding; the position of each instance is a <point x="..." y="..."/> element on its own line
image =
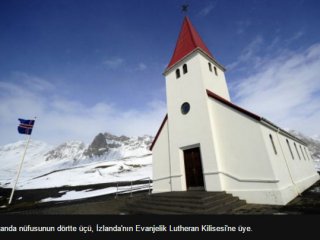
<point x="249" y="167"/>
<point x="161" y="162"/>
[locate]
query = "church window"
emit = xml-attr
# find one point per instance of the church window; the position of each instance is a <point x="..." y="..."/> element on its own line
<point x="185" y="108"/>
<point x="302" y="153"/>
<point x="178" y="73"/>
<point x="215" y="71"/>
<point x="306" y="153"/>
<point x="297" y="150"/>
<point x="290" y="148"/>
<point x="274" y="147"/>
<point x="210" y="67"/>
<point x="185" y="68"/>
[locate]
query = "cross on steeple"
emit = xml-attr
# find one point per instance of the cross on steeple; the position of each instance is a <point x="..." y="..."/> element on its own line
<point x="184" y="8"/>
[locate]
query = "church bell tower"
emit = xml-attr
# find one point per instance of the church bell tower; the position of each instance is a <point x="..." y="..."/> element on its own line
<point x="191" y="72"/>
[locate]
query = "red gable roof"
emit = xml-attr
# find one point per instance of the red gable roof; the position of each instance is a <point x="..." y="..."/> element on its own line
<point x="188" y="40"/>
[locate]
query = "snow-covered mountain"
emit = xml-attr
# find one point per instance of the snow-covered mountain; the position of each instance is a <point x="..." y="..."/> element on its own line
<point x="108" y="158"/>
<point x="71" y="150"/>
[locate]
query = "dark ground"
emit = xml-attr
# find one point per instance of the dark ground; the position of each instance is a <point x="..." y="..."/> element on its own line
<point x="307" y="203"/>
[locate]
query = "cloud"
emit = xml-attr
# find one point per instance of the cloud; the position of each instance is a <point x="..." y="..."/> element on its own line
<point x="242" y="26"/>
<point x="284" y="89"/>
<point x="60" y="119"/>
<point x="114" y="63"/>
<point x="207" y="9"/>
<point x="258" y="47"/>
<point x="296" y="36"/>
<point x="249" y="53"/>
<point x="141" y="67"/>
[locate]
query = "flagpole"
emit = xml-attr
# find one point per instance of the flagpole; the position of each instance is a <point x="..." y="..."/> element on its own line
<point x="19" y="171"/>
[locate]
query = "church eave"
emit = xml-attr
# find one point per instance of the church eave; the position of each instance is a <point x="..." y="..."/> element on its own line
<point x="270" y="124"/>
<point x="158" y="133"/>
<point x="230" y="104"/>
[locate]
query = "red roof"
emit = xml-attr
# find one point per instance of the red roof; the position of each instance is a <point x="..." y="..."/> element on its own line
<point x="158" y="133"/>
<point x="188" y="41"/>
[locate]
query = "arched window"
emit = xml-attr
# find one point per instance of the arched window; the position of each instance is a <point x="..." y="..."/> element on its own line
<point x="290" y="148"/>
<point x="185" y="68"/>
<point x="309" y="155"/>
<point x="297" y="150"/>
<point x="274" y="147"/>
<point x="210" y="67"/>
<point x="302" y="153"/>
<point x="215" y="71"/>
<point x="306" y="153"/>
<point x="178" y="73"/>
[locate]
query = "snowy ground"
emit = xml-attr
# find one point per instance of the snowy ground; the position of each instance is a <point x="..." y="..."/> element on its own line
<point x="72" y="195"/>
<point x="39" y="173"/>
<point x="102" y="172"/>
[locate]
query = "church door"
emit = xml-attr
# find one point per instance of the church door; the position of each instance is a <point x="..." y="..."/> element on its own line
<point x="193" y="168"/>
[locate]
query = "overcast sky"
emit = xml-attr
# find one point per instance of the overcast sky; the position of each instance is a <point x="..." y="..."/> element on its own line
<point x="84" y="67"/>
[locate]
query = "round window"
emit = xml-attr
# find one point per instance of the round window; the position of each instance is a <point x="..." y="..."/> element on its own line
<point x="185" y="108"/>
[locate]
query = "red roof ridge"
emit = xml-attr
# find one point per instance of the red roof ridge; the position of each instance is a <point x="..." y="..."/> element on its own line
<point x="230" y="104"/>
<point x="188" y="40"/>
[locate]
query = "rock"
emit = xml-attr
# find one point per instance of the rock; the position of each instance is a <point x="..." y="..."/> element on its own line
<point x="98" y="146"/>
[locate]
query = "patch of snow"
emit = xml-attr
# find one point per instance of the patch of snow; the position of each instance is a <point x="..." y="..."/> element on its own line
<point x="72" y="195"/>
<point x="316" y="189"/>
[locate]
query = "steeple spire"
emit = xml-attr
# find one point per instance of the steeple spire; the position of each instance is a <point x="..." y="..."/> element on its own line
<point x="188" y="41"/>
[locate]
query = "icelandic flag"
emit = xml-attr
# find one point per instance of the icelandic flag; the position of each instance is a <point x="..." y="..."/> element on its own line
<point x="25" y="126"/>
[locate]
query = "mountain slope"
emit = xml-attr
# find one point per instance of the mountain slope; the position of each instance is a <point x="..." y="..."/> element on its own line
<point x="108" y="158"/>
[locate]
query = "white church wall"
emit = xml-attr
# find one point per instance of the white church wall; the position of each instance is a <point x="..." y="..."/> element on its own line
<point x="312" y="162"/>
<point x="192" y="128"/>
<point x="245" y="171"/>
<point x="285" y="188"/>
<point x="276" y="156"/>
<point x="160" y="162"/>
<point x="241" y="145"/>
<point x="249" y="167"/>
<point x="303" y="174"/>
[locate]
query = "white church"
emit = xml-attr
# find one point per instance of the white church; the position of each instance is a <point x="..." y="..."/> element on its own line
<point x="207" y="143"/>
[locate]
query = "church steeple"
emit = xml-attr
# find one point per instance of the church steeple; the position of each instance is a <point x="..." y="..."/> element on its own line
<point x="188" y="41"/>
<point x="193" y="62"/>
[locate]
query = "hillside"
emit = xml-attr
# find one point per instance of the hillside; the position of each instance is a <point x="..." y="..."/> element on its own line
<point x="108" y="158"/>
